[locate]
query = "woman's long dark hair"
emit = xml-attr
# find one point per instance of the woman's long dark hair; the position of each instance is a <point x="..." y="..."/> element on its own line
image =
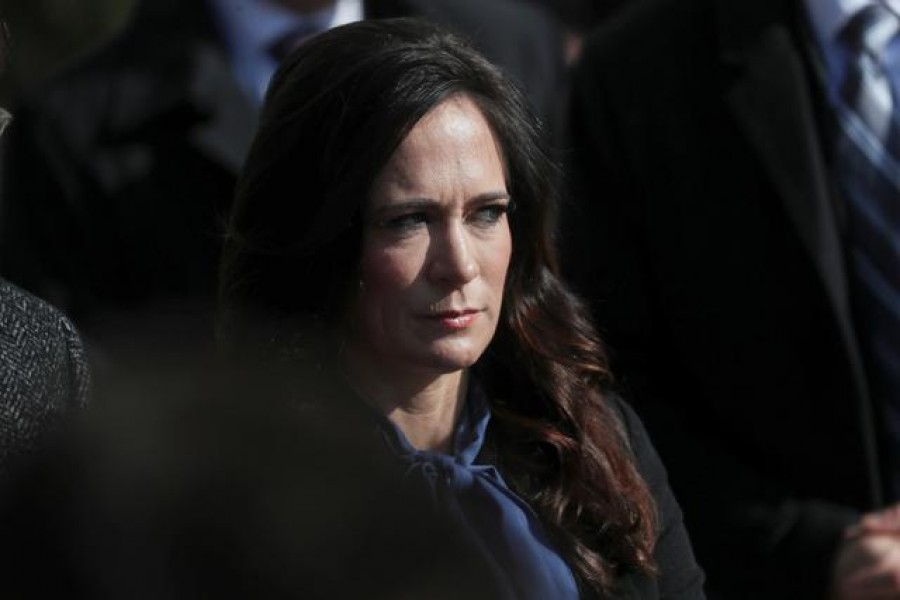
<point x="336" y="111"/>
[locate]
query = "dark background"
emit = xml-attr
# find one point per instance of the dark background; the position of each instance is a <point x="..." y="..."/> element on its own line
<point x="44" y="34"/>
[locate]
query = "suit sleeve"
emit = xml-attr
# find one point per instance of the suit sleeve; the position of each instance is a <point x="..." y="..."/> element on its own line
<point x="753" y="536"/>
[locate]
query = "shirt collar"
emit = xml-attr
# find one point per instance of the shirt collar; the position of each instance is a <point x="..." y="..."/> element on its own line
<point x="468" y="437"/>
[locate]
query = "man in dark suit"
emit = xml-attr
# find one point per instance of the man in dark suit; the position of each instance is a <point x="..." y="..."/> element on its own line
<point x="710" y="236"/>
<point x="122" y="167"/>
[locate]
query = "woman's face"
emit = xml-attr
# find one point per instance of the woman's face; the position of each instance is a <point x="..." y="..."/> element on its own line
<point x="436" y="247"/>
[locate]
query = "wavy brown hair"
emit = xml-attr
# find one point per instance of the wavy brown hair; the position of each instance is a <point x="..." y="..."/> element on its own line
<point x="336" y="111"/>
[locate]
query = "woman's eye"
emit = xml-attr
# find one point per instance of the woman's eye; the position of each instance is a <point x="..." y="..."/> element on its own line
<point x="405" y="222"/>
<point x="489" y="215"/>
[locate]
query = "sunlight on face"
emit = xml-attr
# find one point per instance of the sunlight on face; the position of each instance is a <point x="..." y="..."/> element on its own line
<point x="436" y="246"/>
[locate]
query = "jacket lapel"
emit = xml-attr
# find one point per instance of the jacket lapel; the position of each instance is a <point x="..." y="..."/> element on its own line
<point x="771" y="101"/>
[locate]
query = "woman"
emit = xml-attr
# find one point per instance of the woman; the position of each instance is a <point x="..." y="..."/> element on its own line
<point x="392" y="234"/>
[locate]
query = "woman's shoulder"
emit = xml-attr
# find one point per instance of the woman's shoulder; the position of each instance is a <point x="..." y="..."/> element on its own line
<point x="679" y="575"/>
<point x="42" y="358"/>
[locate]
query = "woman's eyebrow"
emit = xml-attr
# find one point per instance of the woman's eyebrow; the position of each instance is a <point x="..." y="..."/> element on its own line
<point x="489" y="196"/>
<point x="424" y="203"/>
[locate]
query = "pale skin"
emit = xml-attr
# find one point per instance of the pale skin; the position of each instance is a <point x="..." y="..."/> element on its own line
<point x="425" y="409"/>
<point x="436" y="249"/>
<point x="867" y="566"/>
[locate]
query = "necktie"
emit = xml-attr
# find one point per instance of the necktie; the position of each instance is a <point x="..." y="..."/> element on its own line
<point x="867" y="165"/>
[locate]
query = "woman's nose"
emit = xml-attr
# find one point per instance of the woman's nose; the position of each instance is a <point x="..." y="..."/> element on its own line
<point x="453" y="260"/>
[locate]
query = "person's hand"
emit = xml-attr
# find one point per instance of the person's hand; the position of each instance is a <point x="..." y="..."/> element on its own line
<point x="885" y="522"/>
<point x="867" y="566"/>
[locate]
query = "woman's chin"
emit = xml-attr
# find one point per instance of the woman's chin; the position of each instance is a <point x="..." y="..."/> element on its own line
<point x="448" y="361"/>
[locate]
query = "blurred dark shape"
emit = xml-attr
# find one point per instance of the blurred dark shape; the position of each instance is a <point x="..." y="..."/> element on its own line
<point x="4" y="44"/>
<point x="577" y="18"/>
<point x="48" y="33"/>
<point x="580" y="16"/>
<point x="215" y="480"/>
<point x="43" y="372"/>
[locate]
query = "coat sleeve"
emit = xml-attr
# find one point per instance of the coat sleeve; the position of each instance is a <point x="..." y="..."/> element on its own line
<point x="44" y="374"/>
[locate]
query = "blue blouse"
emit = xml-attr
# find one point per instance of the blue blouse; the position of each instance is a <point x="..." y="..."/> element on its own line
<point x="475" y="496"/>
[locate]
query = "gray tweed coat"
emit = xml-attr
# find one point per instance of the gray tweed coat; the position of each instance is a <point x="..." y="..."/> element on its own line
<point x="43" y="370"/>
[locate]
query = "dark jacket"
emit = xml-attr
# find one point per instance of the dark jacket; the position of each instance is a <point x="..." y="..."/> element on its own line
<point x="679" y="575"/>
<point x="707" y="238"/>
<point x="43" y="371"/>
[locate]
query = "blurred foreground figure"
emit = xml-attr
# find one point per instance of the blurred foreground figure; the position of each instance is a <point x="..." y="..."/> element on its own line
<point x="122" y="167"/>
<point x="199" y="481"/>
<point x="737" y="234"/>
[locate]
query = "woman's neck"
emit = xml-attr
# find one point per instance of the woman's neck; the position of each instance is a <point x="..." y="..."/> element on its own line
<point x="425" y="408"/>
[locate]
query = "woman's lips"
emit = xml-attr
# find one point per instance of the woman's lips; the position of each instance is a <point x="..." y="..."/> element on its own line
<point x="455" y="319"/>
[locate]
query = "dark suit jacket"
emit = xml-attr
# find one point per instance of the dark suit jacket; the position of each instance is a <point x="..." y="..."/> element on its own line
<point x="122" y="167"/>
<point x="708" y="240"/>
<point x="43" y="371"/>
